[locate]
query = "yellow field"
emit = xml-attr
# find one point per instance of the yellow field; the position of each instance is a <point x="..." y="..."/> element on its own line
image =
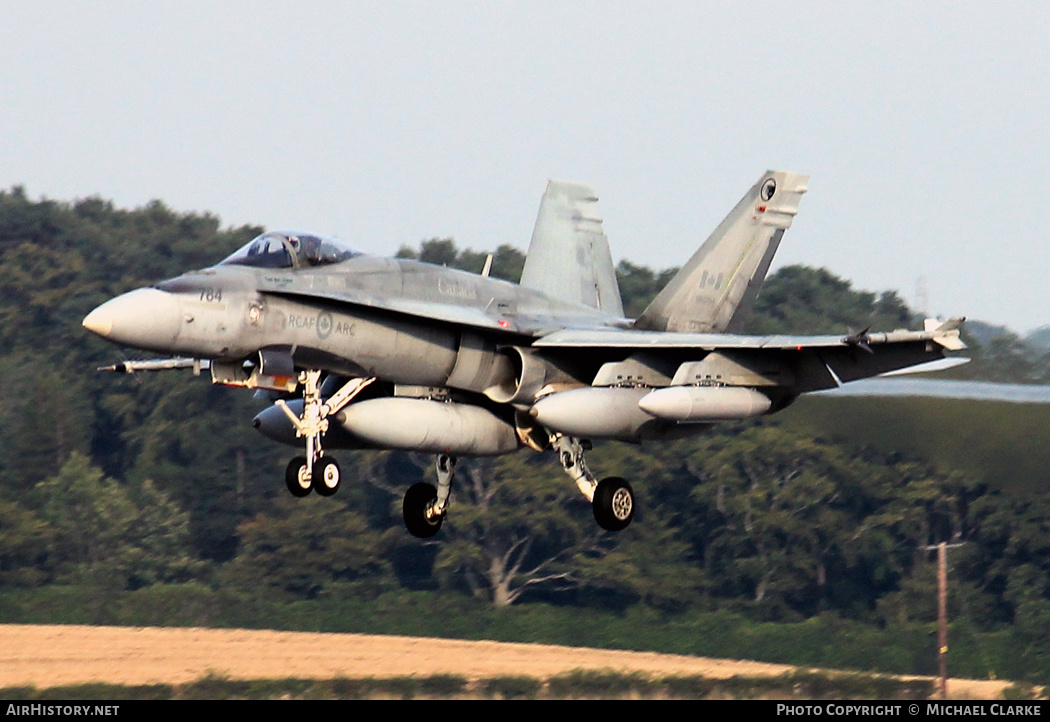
<point x="46" y="656"/>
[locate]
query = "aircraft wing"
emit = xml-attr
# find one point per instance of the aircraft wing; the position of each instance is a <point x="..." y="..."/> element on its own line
<point x="572" y="338"/>
<point x="817" y="362"/>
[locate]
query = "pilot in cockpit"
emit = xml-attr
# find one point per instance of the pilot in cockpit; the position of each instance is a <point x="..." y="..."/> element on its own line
<point x="311" y="250"/>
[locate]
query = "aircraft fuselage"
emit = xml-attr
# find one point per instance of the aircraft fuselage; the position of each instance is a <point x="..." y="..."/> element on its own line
<point x="230" y="313"/>
<point x="426" y="358"/>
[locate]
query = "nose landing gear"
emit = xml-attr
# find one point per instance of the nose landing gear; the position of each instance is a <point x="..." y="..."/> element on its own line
<point x="315" y="471"/>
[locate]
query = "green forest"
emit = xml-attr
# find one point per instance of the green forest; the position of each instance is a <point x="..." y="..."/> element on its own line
<point x="801" y="537"/>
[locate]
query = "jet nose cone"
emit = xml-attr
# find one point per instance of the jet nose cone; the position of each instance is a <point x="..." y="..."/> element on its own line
<point x="145" y="318"/>
<point x="99" y="321"/>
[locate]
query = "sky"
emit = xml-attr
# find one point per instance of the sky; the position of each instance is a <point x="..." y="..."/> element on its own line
<point x="925" y="127"/>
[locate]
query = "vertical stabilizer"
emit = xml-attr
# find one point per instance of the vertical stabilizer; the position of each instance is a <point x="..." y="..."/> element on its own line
<point x="715" y="290"/>
<point x="569" y="254"/>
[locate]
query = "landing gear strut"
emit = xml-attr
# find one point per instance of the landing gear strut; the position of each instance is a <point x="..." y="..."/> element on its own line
<point x="612" y="499"/>
<point x="315" y="471"/>
<point x="425" y="506"/>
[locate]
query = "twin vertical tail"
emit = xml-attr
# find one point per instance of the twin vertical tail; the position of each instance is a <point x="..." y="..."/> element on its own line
<point x="715" y="291"/>
<point x="569" y="256"/>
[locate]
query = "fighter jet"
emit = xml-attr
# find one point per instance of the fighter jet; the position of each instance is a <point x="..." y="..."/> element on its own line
<point x="362" y="352"/>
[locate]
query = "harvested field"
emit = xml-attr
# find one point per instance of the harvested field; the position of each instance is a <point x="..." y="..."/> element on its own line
<point x="53" y="655"/>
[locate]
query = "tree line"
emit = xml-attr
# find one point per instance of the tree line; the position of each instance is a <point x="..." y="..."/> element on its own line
<point x="132" y="482"/>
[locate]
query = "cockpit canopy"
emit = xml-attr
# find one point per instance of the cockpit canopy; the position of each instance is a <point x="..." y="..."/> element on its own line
<point x="276" y="249"/>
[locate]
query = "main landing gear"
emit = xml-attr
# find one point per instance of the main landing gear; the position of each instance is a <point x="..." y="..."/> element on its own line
<point x="315" y="471"/>
<point x="612" y="499"/>
<point x="425" y="506"/>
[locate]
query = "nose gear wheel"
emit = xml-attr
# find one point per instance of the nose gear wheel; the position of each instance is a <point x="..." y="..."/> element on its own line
<point x="296" y="478"/>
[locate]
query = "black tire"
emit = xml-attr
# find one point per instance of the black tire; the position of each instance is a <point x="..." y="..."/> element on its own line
<point x="613" y="504"/>
<point x="327" y="476"/>
<point x="295" y="477"/>
<point x="417" y="499"/>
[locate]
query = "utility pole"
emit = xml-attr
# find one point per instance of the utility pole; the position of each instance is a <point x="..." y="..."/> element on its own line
<point x="942" y="615"/>
<point x="942" y="612"/>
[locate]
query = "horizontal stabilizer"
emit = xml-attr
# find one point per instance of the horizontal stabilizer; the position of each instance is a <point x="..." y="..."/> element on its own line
<point x="942" y="364"/>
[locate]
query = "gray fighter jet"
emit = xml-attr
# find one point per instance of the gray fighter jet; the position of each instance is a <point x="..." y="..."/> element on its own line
<point x="360" y="352"/>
